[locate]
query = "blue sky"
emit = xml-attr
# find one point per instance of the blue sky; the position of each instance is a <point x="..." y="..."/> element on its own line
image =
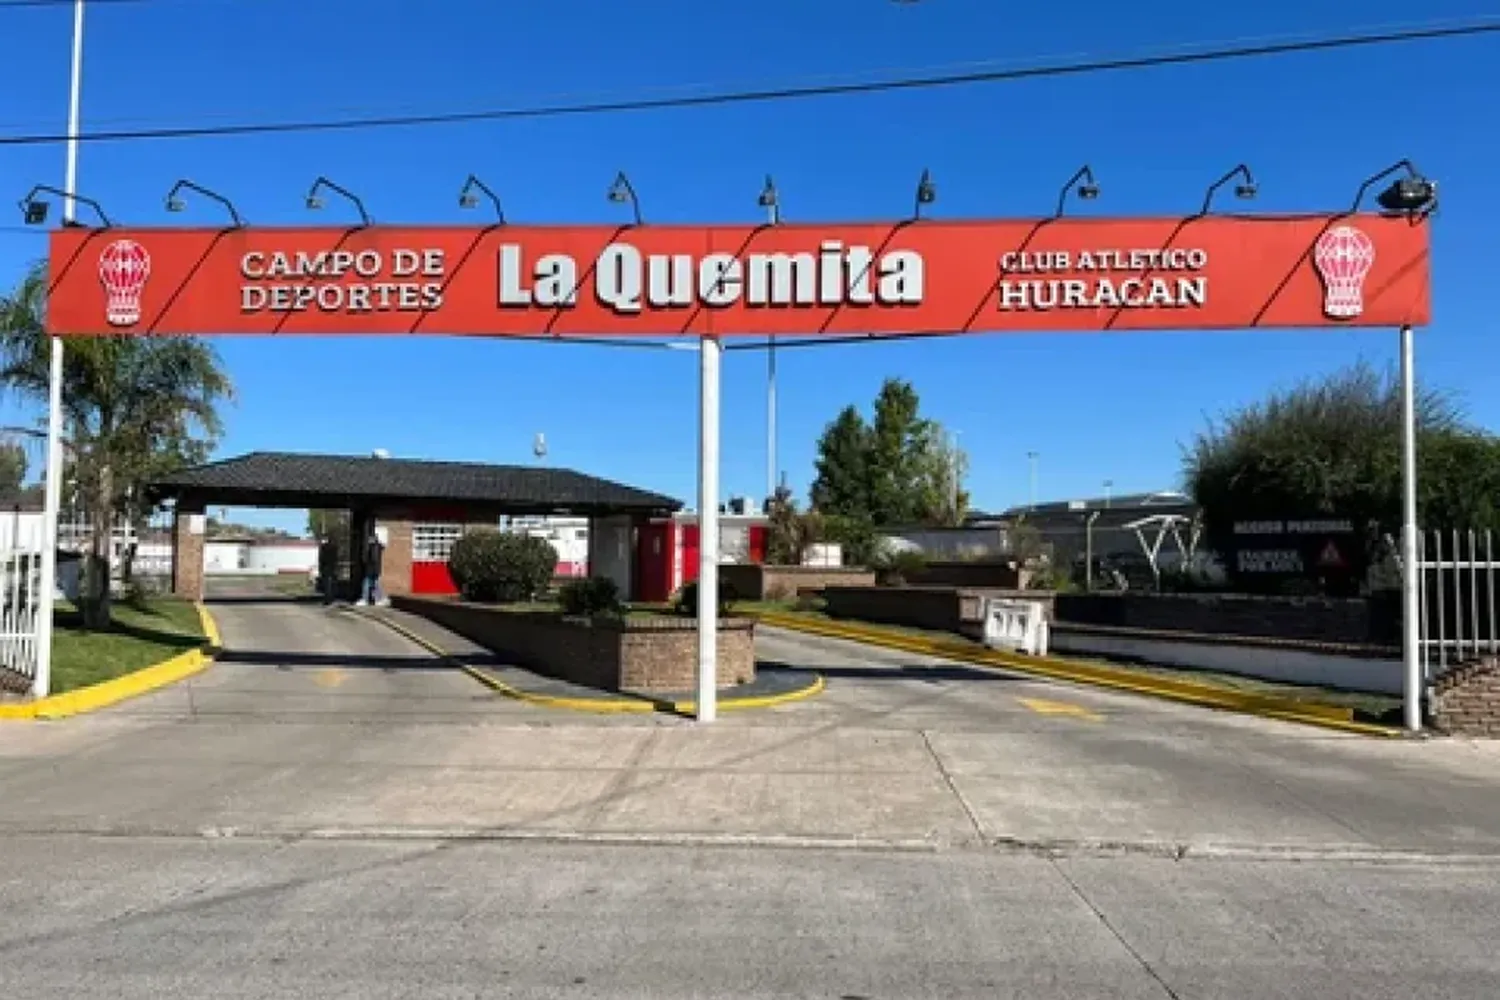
<point x="1097" y="407"/>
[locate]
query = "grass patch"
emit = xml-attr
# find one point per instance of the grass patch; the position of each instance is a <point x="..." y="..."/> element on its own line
<point x="1373" y="708"/>
<point x="140" y="636"/>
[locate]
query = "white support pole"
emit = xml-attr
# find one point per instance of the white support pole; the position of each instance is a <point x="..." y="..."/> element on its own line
<point x="1410" y="573"/>
<point x="710" y="355"/>
<point x="771" y="483"/>
<point x="773" y="216"/>
<point x="41" y="683"/>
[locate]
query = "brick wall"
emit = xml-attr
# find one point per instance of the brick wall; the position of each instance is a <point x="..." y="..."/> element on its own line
<point x="395" y="562"/>
<point x="1347" y="621"/>
<point x="187" y="555"/>
<point x="942" y="609"/>
<point x="1466" y="699"/>
<point x="771" y="583"/>
<point x="638" y="654"/>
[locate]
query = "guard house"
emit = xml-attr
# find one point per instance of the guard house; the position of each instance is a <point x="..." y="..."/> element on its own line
<point x="424" y="507"/>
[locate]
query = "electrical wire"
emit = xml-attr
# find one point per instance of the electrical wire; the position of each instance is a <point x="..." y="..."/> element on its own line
<point x="15" y="4"/>
<point x="780" y="94"/>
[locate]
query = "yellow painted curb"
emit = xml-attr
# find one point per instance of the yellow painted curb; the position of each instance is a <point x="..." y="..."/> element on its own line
<point x="604" y="706"/>
<point x="210" y="627"/>
<point x="1286" y="709"/>
<point x="111" y="692"/>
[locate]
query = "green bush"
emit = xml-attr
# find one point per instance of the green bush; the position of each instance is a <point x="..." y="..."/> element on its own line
<point x="687" y="599"/>
<point x="494" y="566"/>
<point x="892" y="568"/>
<point x="597" y="595"/>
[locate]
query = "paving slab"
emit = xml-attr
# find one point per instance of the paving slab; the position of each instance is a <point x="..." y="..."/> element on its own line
<point x="185" y="918"/>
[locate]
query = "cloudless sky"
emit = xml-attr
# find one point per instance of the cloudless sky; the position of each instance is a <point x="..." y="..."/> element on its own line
<point x="1098" y="406"/>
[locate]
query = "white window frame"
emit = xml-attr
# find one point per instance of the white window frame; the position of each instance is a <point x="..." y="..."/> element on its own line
<point x="433" y="541"/>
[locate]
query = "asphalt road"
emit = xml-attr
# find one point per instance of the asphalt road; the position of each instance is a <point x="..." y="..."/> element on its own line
<point x="330" y="812"/>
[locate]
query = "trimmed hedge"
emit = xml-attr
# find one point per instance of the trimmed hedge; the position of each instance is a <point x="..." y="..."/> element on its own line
<point x="501" y="568"/>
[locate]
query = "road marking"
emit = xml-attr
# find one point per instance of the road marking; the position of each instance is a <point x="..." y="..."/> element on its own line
<point x="1042" y="706"/>
<point x="330" y="677"/>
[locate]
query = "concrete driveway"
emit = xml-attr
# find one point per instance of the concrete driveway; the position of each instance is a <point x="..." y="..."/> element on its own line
<point x="328" y="811"/>
<point x="319" y="721"/>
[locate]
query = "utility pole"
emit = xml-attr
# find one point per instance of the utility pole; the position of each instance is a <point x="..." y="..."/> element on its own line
<point x="771" y="201"/>
<point x="1031" y="457"/>
<point x="953" y="470"/>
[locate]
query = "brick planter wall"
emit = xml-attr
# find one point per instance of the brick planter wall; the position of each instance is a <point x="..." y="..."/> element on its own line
<point x="633" y="654"/>
<point x="769" y="583"/>
<point x="1466" y="700"/>
<point x="943" y="609"/>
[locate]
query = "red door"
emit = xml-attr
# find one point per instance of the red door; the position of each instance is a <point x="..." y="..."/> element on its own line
<point x="689" y="553"/>
<point x="653" y="562"/>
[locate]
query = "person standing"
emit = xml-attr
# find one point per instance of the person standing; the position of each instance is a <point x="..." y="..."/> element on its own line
<point x="373" y="555"/>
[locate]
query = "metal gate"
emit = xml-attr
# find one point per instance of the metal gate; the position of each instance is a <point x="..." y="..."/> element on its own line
<point x="20" y="597"/>
<point x="1456" y="599"/>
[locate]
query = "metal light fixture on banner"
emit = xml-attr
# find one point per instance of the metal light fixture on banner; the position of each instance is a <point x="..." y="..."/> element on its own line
<point x="315" y="204"/>
<point x="622" y="191"/>
<point x="1413" y="196"/>
<point x="926" y="193"/>
<point x="467" y="198"/>
<point x="1088" y="188"/>
<point x="1245" y="190"/>
<point x="174" y="203"/>
<point x="34" y="211"/>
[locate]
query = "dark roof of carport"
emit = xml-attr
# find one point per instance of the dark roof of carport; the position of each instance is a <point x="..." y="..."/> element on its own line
<point x="285" y="479"/>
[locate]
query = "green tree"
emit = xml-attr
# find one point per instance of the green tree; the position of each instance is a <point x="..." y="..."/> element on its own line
<point x="789" y="531"/>
<point x="842" y="486"/>
<point x="12" y="468"/>
<point x="898" y="438"/>
<point x="133" y="408"/>
<point x="940" y="467"/>
<point x="328" y="523"/>
<point x="900" y="468"/>
<point x="1332" y="447"/>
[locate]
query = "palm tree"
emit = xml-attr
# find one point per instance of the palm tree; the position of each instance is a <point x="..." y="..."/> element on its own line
<point x="134" y="407"/>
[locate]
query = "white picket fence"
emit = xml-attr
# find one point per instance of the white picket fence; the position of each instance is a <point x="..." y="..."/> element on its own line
<point x="20" y="593"/>
<point x="21" y="537"/>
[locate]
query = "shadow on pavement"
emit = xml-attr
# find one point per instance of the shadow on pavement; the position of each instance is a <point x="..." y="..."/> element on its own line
<point x="291" y="659"/>
<point x="935" y="674"/>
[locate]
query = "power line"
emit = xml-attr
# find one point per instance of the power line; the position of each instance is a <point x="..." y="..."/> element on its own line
<point x="12" y="4"/>
<point x="1220" y="53"/>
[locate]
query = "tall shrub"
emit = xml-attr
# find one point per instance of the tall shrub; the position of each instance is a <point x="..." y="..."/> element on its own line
<point x="495" y="566"/>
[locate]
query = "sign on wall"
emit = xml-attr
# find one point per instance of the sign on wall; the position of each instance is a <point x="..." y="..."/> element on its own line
<point x="922" y="277"/>
<point x="1330" y="549"/>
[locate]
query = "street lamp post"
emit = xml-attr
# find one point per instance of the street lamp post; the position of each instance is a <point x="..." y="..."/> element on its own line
<point x="1031" y="457"/>
<point x="41" y="682"/>
<point x="770" y="200"/>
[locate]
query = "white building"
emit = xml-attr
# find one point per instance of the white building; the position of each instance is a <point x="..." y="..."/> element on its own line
<point x="568" y="535"/>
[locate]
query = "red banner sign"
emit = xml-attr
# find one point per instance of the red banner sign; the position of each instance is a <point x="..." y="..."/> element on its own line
<point x="909" y="278"/>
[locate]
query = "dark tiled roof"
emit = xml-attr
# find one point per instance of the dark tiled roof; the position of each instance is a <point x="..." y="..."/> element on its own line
<point x="279" y="477"/>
